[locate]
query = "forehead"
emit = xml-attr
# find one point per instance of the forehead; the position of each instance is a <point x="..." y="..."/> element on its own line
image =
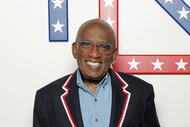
<point x="96" y="33"/>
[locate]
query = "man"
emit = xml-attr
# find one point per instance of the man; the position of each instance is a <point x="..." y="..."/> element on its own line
<point x="95" y="95"/>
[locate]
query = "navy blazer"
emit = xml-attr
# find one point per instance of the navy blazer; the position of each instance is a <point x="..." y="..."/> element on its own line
<point x="57" y="104"/>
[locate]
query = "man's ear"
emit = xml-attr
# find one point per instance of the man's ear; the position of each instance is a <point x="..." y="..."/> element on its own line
<point x="74" y="50"/>
<point x="114" y="55"/>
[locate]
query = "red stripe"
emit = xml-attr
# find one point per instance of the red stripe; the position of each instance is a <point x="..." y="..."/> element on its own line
<point x="64" y="100"/>
<point x="68" y="109"/>
<point x="65" y="86"/>
<point x="117" y="29"/>
<point x="124" y="84"/>
<point x="99" y="9"/>
<point x="126" y="100"/>
<point x="122" y="115"/>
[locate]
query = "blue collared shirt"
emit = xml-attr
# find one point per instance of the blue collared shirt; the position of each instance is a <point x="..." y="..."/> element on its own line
<point x="95" y="108"/>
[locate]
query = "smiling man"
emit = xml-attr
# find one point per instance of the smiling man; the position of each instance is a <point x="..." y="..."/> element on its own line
<point x="95" y="95"/>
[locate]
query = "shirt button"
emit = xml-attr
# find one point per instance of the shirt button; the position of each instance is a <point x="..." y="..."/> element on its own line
<point x="95" y="100"/>
<point x="96" y="120"/>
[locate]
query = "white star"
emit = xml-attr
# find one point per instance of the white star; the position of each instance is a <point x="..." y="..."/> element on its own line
<point x="171" y="1"/>
<point x="109" y="21"/>
<point x="57" y="3"/>
<point x="58" y="27"/>
<point x="133" y="64"/>
<point x="181" y="64"/>
<point x="183" y="13"/>
<point x="108" y="2"/>
<point x="157" y="64"/>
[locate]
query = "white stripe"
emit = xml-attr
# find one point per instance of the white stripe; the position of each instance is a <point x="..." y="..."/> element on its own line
<point x="66" y="91"/>
<point x="129" y="95"/>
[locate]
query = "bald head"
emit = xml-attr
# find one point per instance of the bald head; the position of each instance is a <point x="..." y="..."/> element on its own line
<point x="94" y="26"/>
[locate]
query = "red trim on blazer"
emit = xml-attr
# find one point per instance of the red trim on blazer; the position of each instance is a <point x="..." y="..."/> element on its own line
<point x="64" y="101"/>
<point x="125" y="85"/>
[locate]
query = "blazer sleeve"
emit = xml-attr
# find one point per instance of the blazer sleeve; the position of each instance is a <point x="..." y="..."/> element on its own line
<point x="40" y="115"/>
<point x="150" y="118"/>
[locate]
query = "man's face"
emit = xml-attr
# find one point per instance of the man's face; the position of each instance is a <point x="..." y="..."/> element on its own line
<point x="92" y="64"/>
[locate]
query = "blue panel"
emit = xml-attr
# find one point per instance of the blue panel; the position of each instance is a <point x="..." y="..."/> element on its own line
<point x="173" y="7"/>
<point x="58" y="20"/>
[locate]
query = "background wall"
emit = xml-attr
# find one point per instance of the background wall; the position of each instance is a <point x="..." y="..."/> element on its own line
<point x="28" y="61"/>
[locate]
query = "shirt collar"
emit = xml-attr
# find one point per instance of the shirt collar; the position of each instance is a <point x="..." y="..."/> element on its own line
<point x="81" y="84"/>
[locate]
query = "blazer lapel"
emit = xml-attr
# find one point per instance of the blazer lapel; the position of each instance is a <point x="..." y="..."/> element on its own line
<point x="71" y="103"/>
<point x="120" y="100"/>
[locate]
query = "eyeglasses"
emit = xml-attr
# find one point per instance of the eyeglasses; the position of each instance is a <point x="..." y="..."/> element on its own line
<point x="103" y="48"/>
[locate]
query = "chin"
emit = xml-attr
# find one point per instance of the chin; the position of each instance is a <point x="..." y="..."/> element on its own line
<point x="94" y="76"/>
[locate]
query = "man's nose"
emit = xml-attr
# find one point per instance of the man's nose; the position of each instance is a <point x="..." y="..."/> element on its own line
<point x="94" y="52"/>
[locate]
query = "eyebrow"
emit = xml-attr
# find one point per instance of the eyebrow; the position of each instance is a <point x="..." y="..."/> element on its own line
<point x="98" y="41"/>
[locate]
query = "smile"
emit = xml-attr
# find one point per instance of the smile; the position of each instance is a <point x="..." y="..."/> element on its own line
<point x="93" y="64"/>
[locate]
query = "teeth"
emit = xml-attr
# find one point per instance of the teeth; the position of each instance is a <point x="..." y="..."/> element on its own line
<point x="93" y="64"/>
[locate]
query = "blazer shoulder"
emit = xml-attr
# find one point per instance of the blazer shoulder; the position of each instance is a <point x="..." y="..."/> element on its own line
<point x="53" y="86"/>
<point x="134" y="81"/>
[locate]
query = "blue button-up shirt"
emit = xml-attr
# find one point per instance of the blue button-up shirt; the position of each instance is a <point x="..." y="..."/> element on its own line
<point x="95" y="108"/>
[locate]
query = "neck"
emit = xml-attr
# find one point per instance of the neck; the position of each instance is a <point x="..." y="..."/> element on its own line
<point x="91" y="84"/>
